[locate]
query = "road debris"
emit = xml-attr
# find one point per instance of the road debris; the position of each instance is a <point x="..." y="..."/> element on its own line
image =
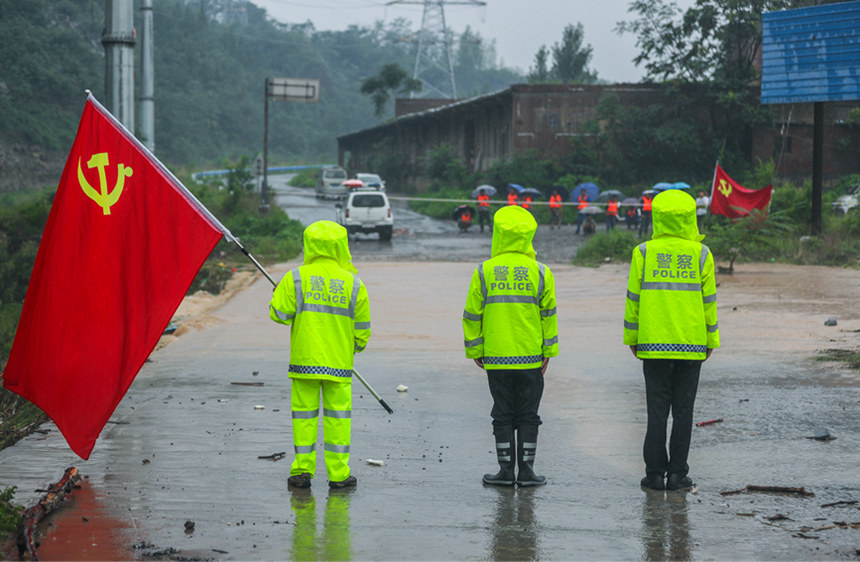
<point x="822" y="434"/>
<point x="830" y="321"/>
<point x="273" y="456"/>
<point x="56" y="494"/>
<point x="842" y="502"/>
<point x="248" y="383"/>
<point x="375" y="462"/>
<point x="770" y="489"/>
<point x="709" y="422"/>
<point x="402" y="388"/>
<point x="259" y="407"/>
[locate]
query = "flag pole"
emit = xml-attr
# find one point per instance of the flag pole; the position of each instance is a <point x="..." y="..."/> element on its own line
<point x="713" y="185"/>
<point x="180" y="187"/>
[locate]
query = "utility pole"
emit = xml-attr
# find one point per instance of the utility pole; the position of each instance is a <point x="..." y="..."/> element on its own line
<point x="434" y="65"/>
<point x="147" y="78"/>
<point x="118" y="40"/>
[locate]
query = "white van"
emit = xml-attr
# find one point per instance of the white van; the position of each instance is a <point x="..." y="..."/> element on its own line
<point x="329" y="182"/>
<point x="366" y="210"/>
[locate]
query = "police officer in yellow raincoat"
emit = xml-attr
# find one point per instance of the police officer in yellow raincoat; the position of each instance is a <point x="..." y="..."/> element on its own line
<point x="510" y="330"/>
<point x="327" y="307"/>
<point x="670" y="323"/>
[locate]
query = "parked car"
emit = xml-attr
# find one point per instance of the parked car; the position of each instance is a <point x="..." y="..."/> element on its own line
<point x="850" y="200"/>
<point x="366" y="209"/>
<point x="329" y="182"/>
<point x="371" y="180"/>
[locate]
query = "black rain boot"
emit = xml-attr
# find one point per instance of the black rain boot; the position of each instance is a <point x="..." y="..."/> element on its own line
<point x="505" y="454"/>
<point x="526" y="447"/>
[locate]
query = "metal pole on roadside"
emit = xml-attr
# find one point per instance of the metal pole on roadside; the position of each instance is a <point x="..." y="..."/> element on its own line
<point x="264" y="190"/>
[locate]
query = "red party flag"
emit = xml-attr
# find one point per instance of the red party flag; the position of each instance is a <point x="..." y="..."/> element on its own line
<point x="731" y="199"/>
<point x="122" y="244"/>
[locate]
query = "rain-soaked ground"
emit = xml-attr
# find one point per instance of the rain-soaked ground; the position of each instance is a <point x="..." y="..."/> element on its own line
<point x="184" y="445"/>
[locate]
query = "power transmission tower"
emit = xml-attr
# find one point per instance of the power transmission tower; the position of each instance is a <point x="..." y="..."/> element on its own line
<point x="434" y="65"/>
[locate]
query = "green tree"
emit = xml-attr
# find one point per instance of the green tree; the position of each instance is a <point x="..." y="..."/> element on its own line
<point x="539" y="74"/>
<point x="570" y="57"/>
<point x="391" y="80"/>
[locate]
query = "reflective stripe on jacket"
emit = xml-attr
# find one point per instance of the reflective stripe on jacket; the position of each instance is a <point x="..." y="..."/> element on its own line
<point x="671" y="306"/>
<point x="510" y="319"/>
<point x="327" y="306"/>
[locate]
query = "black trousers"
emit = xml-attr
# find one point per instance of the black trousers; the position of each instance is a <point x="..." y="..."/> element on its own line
<point x="516" y="396"/>
<point x="670" y="384"/>
<point x="484" y="217"/>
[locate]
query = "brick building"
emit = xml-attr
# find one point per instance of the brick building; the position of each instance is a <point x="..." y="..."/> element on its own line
<point x="493" y="127"/>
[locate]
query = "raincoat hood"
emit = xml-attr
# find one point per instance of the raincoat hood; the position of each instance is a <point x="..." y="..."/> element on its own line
<point x="327" y="239"/>
<point x="513" y="231"/>
<point x="674" y="214"/>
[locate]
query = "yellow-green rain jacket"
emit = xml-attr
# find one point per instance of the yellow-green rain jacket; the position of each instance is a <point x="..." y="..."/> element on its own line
<point x="671" y="308"/>
<point x="327" y="305"/>
<point x="510" y="318"/>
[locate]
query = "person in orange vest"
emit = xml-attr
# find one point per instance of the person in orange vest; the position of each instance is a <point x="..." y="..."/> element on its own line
<point x="582" y="203"/>
<point x="484" y="209"/>
<point x="611" y="213"/>
<point x="527" y="202"/>
<point x="645" y="220"/>
<point x="464" y="221"/>
<point x="555" y="209"/>
<point x="512" y="196"/>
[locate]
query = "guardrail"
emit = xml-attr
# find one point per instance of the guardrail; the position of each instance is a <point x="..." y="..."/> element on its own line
<point x="272" y="169"/>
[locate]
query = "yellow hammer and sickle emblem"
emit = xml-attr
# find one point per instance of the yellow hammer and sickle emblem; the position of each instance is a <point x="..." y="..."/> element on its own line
<point x="105" y="199"/>
<point x="725" y="188"/>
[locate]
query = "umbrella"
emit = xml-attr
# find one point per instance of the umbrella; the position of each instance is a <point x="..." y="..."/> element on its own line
<point x="605" y="195"/>
<point x="591" y="210"/>
<point x="590" y="189"/>
<point x="629" y="202"/>
<point x="560" y="189"/>
<point x="680" y="185"/>
<point x="489" y="189"/>
<point x="662" y="186"/>
<point x="516" y="187"/>
<point x="531" y="191"/>
<point x="650" y="192"/>
<point x="352" y="183"/>
<point x="463" y="209"/>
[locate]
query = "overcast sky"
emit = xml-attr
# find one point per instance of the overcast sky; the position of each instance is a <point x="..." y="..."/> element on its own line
<point x="519" y="27"/>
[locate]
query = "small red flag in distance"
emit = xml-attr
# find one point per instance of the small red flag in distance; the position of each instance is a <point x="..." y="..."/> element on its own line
<point x="731" y="199"/>
<point x="123" y="242"/>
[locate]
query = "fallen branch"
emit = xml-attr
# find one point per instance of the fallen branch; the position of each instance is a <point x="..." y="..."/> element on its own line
<point x="55" y="495"/>
<point x="770" y="489"/>
<point x="273" y="456"/>
<point x="843" y="502"/>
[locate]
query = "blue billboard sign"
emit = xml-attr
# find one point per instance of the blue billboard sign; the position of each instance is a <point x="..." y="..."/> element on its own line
<point x="811" y="54"/>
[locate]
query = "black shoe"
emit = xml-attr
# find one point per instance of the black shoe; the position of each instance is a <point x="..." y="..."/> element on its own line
<point x="302" y="480"/>
<point x="678" y="482"/>
<point x="653" y="481"/>
<point x="350" y="482"/>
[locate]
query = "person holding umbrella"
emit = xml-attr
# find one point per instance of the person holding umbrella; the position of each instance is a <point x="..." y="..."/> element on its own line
<point x="611" y="212"/>
<point x="645" y="219"/>
<point x="510" y="330"/>
<point x="582" y="203"/>
<point x="512" y="196"/>
<point x="484" y="209"/>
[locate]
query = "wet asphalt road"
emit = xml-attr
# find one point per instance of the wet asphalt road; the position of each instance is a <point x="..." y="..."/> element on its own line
<point x="185" y="442"/>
